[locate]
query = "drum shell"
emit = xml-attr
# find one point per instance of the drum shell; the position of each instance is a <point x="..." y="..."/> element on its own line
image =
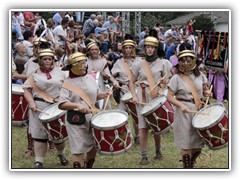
<point x="19" y="105"/>
<point x="133" y="111"/>
<point x="212" y="135"/>
<point x="167" y="117"/>
<point x="57" y="131"/>
<point x="126" y="99"/>
<point x="105" y="136"/>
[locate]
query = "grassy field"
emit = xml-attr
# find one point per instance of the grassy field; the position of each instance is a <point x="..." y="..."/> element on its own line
<point x="217" y="159"/>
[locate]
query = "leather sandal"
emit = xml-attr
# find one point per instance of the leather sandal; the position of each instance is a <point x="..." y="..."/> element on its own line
<point x="38" y="165"/>
<point x="63" y="159"/>
<point x="144" y="161"/>
<point x="158" y="156"/>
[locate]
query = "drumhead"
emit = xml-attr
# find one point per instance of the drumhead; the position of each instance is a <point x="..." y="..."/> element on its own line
<point x="109" y="119"/>
<point x="51" y="113"/>
<point x="153" y="104"/>
<point x="126" y="97"/>
<point x="214" y="113"/>
<point x="17" y="89"/>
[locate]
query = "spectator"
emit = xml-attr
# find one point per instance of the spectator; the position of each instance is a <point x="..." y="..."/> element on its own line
<point x="60" y="32"/>
<point x="16" y="28"/>
<point x="170" y="47"/>
<point x="79" y="17"/>
<point x="112" y="28"/>
<point x="170" y="33"/>
<point x="190" y="33"/>
<point x="143" y="33"/>
<point x="57" y="17"/>
<point x="89" y="26"/>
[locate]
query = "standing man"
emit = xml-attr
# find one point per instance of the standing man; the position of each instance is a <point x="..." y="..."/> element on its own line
<point x="88" y="26"/>
<point x="143" y="33"/>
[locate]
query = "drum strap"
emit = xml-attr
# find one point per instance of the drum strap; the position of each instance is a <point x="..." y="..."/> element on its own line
<point x="193" y="90"/>
<point x="42" y="93"/>
<point x="127" y="69"/>
<point x="150" y="79"/>
<point x="82" y="94"/>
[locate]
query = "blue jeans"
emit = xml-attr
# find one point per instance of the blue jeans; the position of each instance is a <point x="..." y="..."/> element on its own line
<point x="16" y="28"/>
<point x="79" y="16"/>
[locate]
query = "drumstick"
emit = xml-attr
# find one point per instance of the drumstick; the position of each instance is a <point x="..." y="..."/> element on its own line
<point x="123" y="88"/>
<point x="139" y="103"/>
<point x="157" y="83"/>
<point x="208" y="97"/>
<point x="105" y="105"/>
<point x="39" y="110"/>
<point x="98" y="110"/>
<point x="197" y="112"/>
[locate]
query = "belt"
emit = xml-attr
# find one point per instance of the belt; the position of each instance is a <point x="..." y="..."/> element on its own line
<point x="123" y="83"/>
<point x="142" y="85"/>
<point x="42" y="100"/>
<point x="186" y="100"/>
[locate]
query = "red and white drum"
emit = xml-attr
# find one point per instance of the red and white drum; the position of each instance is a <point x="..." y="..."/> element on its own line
<point x="159" y="114"/>
<point x="19" y="104"/>
<point x="53" y="121"/>
<point x="100" y="83"/>
<point x="212" y="126"/>
<point x="112" y="132"/>
<point x="127" y="99"/>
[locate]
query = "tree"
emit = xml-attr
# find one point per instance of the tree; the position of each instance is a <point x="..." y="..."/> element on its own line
<point x="203" y="22"/>
<point x="151" y="18"/>
<point x="46" y="15"/>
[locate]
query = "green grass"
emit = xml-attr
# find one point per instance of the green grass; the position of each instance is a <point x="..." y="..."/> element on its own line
<point x="216" y="159"/>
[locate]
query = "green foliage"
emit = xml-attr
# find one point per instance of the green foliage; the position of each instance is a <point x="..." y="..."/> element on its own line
<point x="46" y="15"/>
<point x="203" y="22"/>
<point x="151" y="18"/>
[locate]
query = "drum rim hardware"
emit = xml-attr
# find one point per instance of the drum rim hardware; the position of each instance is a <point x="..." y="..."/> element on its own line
<point x="47" y="126"/>
<point x="127" y="94"/>
<point x="111" y="136"/>
<point x="51" y="118"/>
<point x="217" y="120"/>
<point x="110" y="127"/>
<point x="143" y="111"/>
<point x="126" y="99"/>
<point x="19" y="88"/>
